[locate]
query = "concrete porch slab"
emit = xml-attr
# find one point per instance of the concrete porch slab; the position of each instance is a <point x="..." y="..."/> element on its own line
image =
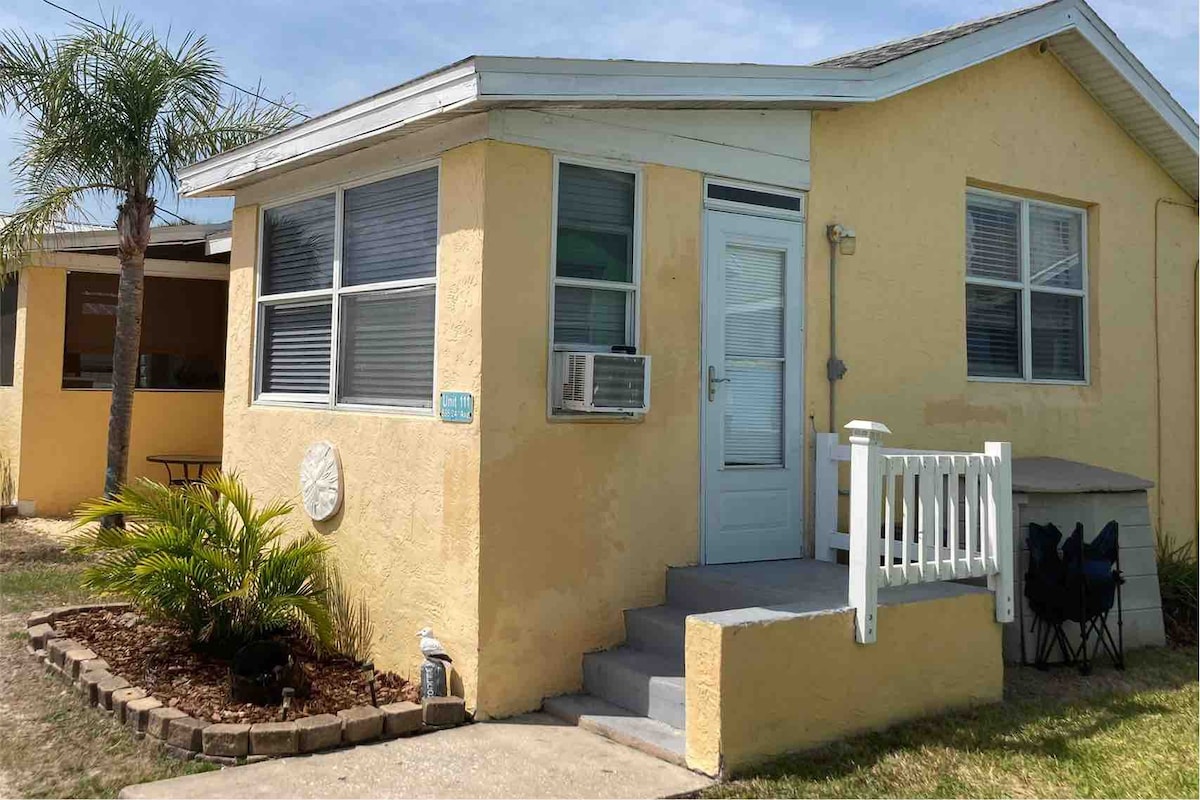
<point x="534" y="755"/>
<point x="795" y="586"/>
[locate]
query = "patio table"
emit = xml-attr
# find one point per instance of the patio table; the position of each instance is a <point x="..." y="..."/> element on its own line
<point x="184" y="461"/>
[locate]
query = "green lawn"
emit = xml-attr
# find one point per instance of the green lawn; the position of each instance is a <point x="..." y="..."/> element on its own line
<point x="1058" y="734"/>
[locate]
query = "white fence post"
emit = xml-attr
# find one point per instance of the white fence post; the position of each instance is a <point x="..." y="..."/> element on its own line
<point x="865" y="486"/>
<point x="825" y="492"/>
<point x="1000" y="516"/>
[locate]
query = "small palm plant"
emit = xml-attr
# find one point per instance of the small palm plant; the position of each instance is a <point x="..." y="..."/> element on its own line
<point x="205" y="557"/>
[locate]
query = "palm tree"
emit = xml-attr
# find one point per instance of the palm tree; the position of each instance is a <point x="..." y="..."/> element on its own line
<point x="113" y="112"/>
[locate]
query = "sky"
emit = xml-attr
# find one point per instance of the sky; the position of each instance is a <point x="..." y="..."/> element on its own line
<point x="324" y="55"/>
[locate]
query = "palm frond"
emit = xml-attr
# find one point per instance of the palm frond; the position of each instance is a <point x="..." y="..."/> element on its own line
<point x="113" y="110"/>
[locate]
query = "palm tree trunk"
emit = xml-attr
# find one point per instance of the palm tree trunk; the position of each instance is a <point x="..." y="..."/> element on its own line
<point x="133" y="226"/>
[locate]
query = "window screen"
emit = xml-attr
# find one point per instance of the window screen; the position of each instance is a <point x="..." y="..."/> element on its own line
<point x="183" y="332"/>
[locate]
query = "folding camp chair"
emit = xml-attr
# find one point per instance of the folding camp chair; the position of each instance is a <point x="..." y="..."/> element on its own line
<point x="1081" y="586"/>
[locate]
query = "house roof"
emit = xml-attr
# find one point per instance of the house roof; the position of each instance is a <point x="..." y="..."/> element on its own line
<point x="97" y="237"/>
<point x="890" y="51"/>
<point x="1084" y="44"/>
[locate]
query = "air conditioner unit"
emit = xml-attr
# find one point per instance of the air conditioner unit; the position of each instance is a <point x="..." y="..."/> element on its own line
<point x="605" y="383"/>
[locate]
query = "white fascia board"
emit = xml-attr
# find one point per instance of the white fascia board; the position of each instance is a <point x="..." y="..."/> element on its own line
<point x="511" y="80"/>
<point x="216" y="245"/>
<point x="439" y="92"/>
<point x="907" y="73"/>
<point x="155" y="267"/>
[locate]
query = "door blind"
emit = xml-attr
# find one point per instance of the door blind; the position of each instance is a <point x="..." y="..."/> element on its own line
<point x="754" y="355"/>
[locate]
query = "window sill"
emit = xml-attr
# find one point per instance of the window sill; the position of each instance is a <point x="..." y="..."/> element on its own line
<point x="392" y="411"/>
<point x="1033" y="382"/>
<point x="595" y="419"/>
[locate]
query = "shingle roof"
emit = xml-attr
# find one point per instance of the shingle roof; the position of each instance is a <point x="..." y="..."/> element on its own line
<point x="890" y="51"/>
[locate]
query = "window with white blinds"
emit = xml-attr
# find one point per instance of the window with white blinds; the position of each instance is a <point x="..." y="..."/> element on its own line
<point x="595" y="258"/>
<point x="348" y="287"/>
<point x="1026" y="291"/>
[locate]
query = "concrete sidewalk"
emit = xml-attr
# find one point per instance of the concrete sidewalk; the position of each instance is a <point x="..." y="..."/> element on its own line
<point x="533" y="755"/>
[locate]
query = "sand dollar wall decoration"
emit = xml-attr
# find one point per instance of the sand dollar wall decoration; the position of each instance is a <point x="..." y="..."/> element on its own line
<point x="321" y="481"/>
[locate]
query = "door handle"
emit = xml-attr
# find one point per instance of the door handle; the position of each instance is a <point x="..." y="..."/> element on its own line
<point x="713" y="380"/>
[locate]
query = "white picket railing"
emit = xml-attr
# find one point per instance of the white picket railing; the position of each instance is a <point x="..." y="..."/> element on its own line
<point x="915" y="516"/>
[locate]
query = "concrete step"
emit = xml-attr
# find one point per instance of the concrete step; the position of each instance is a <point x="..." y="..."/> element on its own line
<point x="656" y="629"/>
<point x="622" y="726"/>
<point x="646" y="683"/>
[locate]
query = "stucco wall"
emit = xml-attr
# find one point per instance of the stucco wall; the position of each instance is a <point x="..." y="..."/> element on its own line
<point x="10" y="410"/>
<point x="579" y="519"/>
<point x="408" y="532"/>
<point x="64" y="432"/>
<point x="897" y="172"/>
<point x="761" y="689"/>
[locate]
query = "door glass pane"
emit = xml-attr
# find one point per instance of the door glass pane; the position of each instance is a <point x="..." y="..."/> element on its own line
<point x="993" y="332"/>
<point x="589" y="316"/>
<point x="1056" y="323"/>
<point x="754" y="356"/>
<point x="754" y="414"/>
<point x="1055" y="247"/>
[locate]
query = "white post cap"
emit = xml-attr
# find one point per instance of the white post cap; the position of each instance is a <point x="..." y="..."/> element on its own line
<point x="866" y="431"/>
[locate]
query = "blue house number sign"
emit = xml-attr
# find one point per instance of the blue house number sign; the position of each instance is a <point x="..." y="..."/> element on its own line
<point x="458" y="407"/>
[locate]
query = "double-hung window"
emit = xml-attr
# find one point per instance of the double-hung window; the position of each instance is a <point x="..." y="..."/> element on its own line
<point x="1026" y="289"/>
<point x="596" y="269"/>
<point x="347" y="293"/>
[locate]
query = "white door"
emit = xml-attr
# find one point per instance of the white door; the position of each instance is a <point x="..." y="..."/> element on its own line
<point x="751" y="394"/>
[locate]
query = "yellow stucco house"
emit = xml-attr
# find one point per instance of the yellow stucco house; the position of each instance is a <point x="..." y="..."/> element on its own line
<point x="57" y="320"/>
<point x="570" y="330"/>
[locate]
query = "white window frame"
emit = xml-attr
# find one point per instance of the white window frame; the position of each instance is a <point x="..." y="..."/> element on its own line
<point x="335" y="294"/>
<point x="1027" y="289"/>
<point x="633" y="310"/>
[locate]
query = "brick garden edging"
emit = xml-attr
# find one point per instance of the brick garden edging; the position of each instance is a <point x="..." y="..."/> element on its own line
<point x="186" y="737"/>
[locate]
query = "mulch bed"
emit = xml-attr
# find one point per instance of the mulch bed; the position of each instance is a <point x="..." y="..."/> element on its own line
<point x="157" y="657"/>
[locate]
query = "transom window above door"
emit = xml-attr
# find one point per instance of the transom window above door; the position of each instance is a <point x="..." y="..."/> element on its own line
<point x="596" y="263"/>
<point x="347" y="296"/>
<point x="1026" y="293"/>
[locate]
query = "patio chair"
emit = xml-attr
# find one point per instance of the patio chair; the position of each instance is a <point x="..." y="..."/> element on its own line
<point x="1081" y="586"/>
<point x="1094" y="579"/>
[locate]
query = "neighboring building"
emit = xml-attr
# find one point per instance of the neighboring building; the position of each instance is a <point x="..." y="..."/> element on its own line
<point x="57" y="320"/>
<point x="1022" y="192"/>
